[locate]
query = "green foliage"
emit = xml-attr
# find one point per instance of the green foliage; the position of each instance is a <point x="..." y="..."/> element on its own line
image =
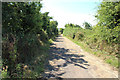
<point x="52" y="30"/>
<point x="69" y="25"/>
<point x="71" y="29"/>
<point x="104" y="38"/>
<point x="87" y="25"/>
<point x="108" y="16"/>
<point x="61" y="30"/>
<point x="73" y="25"/>
<point x="70" y="32"/>
<point x="79" y="36"/>
<point x="93" y="43"/>
<point x="25" y="31"/>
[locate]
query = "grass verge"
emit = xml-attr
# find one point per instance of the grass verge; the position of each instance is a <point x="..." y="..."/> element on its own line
<point x="110" y="59"/>
<point x="33" y="67"/>
<point x="37" y="63"/>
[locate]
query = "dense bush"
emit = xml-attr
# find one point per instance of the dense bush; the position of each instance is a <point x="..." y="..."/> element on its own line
<point x="109" y="21"/>
<point x="70" y="32"/>
<point x="26" y="32"/>
<point x="95" y="42"/>
<point x="79" y="36"/>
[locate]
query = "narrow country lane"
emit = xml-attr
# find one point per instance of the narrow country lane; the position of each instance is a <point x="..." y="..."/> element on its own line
<point x="68" y="60"/>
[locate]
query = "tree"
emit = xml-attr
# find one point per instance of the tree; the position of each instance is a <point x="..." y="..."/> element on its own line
<point x="108" y="16"/>
<point x="87" y="25"/>
<point x="24" y="28"/>
<point x="52" y="29"/>
<point x="69" y="25"/>
<point x="78" y="26"/>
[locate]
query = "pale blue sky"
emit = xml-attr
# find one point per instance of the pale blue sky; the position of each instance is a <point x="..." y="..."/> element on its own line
<point x="71" y="11"/>
<point x="77" y="7"/>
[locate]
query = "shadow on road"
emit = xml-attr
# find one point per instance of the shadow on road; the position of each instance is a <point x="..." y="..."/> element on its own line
<point x="60" y="53"/>
<point x="58" y="39"/>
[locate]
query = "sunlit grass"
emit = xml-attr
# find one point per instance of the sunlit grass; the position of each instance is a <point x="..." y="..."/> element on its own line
<point x="110" y="59"/>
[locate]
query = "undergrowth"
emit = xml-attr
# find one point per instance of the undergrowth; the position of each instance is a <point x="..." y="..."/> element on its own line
<point x="93" y="44"/>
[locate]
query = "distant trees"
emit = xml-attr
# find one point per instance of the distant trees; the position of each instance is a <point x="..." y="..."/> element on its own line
<point x="69" y="25"/>
<point x="107" y="28"/>
<point x="78" y="26"/>
<point x="87" y="25"/>
<point x="72" y="25"/>
<point x="61" y="30"/>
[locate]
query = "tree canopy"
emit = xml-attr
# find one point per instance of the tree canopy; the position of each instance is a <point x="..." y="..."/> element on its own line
<point x="25" y="30"/>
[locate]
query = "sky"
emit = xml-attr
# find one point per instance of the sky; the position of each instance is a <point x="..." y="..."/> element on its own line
<point x="71" y="11"/>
